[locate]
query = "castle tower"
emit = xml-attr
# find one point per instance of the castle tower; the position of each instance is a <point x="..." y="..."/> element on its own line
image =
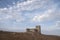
<point x="38" y="28"/>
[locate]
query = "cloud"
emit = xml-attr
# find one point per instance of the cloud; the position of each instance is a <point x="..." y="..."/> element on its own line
<point x="48" y="15"/>
<point x="10" y="13"/>
<point x="14" y="16"/>
<point x="52" y="29"/>
<point x="30" y="5"/>
<point x="58" y="24"/>
<point x="15" y="11"/>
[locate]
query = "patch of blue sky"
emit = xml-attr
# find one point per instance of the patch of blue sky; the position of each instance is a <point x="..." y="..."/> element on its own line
<point x="8" y="3"/>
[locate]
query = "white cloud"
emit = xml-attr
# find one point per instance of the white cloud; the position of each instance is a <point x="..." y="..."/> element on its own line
<point x="58" y="24"/>
<point x="10" y="13"/>
<point x="15" y="11"/>
<point x="40" y="18"/>
<point x="31" y="4"/>
<point x="43" y="17"/>
<point x="54" y="27"/>
<point x="52" y="30"/>
<point x="49" y="14"/>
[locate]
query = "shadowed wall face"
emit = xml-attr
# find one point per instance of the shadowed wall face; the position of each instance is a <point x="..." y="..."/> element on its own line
<point x="32" y="30"/>
<point x="38" y="28"/>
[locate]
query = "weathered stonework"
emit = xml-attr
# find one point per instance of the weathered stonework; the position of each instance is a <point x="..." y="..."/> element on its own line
<point x="36" y="30"/>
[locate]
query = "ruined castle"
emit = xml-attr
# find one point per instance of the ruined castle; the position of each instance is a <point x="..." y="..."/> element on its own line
<point x="35" y="30"/>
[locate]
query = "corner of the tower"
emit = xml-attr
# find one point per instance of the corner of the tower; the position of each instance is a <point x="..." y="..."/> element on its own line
<point x="38" y="27"/>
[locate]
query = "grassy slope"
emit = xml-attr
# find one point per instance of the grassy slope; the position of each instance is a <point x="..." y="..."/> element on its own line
<point x="26" y="36"/>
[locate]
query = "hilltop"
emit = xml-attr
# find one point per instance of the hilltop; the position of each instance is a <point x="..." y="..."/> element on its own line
<point x="26" y="36"/>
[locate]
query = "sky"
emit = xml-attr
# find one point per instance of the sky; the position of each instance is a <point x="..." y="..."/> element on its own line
<point x="17" y="15"/>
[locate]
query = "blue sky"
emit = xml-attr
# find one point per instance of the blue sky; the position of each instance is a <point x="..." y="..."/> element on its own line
<point x="17" y="15"/>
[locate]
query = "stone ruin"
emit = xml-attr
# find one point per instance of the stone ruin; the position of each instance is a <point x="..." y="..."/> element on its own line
<point x="35" y="30"/>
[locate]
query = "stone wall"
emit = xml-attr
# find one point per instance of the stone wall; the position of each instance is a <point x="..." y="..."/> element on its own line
<point x="37" y="29"/>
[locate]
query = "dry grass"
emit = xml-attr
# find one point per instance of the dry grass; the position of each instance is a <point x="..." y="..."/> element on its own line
<point x="26" y="36"/>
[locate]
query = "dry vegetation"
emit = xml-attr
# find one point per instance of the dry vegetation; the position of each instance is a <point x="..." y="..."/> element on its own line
<point x="26" y="36"/>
